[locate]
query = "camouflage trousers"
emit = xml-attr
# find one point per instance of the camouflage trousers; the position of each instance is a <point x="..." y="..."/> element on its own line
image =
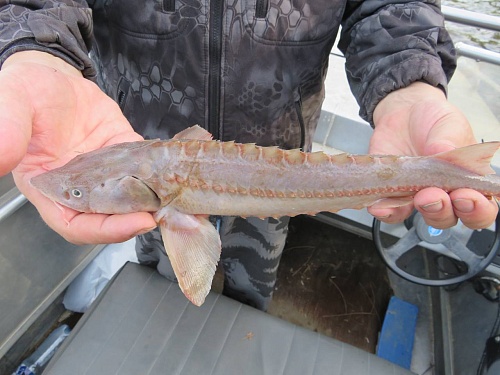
<point x="251" y="252"/>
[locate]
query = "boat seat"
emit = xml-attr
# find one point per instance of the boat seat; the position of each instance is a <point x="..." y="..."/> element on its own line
<point x="143" y="324"/>
<point x="36" y="266"/>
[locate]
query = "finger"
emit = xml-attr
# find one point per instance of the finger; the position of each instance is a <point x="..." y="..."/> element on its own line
<point x="100" y="228"/>
<point x="474" y="210"/>
<point x="449" y="134"/>
<point x="15" y="127"/>
<point x="80" y="228"/>
<point x="393" y="210"/>
<point x="435" y="206"/>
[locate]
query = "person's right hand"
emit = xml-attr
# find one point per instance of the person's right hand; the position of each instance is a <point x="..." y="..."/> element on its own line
<point x="49" y="114"/>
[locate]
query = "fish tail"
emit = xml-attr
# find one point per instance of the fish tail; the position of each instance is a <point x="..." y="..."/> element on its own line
<point x="475" y="158"/>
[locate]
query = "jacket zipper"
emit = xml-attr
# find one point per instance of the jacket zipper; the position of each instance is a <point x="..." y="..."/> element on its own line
<point x="298" y="110"/>
<point x="261" y="8"/>
<point x="214" y="75"/>
<point x="169" y="5"/>
<point x="123" y="89"/>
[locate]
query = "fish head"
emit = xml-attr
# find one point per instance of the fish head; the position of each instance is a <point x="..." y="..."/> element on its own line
<point x="101" y="181"/>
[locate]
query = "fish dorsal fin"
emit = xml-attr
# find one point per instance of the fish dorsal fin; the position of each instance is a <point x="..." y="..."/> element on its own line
<point x="194" y="132"/>
<point x="193" y="247"/>
<point x="475" y="158"/>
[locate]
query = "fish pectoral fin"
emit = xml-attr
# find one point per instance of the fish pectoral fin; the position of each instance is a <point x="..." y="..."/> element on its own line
<point x="193" y="247"/>
<point x="195" y="133"/>
<point x="127" y="194"/>
<point x="138" y="193"/>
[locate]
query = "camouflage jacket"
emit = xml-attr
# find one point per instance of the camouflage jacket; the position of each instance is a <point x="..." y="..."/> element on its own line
<point x="246" y="70"/>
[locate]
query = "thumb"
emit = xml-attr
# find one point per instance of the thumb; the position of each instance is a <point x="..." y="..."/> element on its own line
<point x="15" y="126"/>
<point x="450" y="132"/>
<point x="440" y="145"/>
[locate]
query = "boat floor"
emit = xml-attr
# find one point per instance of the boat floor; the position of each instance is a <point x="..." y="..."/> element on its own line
<point x="330" y="281"/>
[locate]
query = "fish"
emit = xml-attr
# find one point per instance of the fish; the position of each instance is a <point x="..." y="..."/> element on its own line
<point x="191" y="176"/>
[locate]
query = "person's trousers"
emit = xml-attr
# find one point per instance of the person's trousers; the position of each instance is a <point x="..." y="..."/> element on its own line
<point x="251" y="252"/>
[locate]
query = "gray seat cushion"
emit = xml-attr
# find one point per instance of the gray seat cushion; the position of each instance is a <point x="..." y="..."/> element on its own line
<point x="142" y="324"/>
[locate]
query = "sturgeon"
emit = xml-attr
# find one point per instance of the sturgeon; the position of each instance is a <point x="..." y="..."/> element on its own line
<point x="190" y="176"/>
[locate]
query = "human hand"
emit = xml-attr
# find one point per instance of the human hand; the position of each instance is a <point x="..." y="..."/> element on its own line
<point x="49" y="114"/>
<point x="418" y="120"/>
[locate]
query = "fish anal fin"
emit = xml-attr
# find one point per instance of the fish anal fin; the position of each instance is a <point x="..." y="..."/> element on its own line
<point x="386" y="203"/>
<point x="475" y="158"/>
<point x="193" y="247"/>
<point x="194" y="132"/>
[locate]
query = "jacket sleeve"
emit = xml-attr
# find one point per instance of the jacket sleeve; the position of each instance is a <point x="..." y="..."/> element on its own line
<point x="62" y="28"/>
<point x="390" y="44"/>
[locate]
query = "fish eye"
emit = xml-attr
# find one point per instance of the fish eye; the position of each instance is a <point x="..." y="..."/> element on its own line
<point x="76" y="193"/>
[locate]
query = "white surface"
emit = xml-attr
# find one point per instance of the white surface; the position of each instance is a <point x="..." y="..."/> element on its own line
<point x="89" y="284"/>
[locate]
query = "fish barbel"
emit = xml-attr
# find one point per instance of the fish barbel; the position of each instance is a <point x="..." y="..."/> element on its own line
<point x="191" y="175"/>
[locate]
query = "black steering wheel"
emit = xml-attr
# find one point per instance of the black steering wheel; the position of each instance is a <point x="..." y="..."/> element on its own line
<point x="459" y="253"/>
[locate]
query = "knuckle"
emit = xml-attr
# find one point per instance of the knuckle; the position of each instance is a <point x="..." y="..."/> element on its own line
<point x="442" y="223"/>
<point x="70" y="237"/>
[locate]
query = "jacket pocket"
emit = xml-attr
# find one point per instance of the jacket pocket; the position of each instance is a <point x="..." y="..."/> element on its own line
<point x="293" y="22"/>
<point x="163" y="19"/>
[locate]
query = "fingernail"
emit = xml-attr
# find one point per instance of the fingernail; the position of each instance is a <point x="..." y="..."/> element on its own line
<point x="433" y="207"/>
<point x="144" y="231"/>
<point x="464" y="205"/>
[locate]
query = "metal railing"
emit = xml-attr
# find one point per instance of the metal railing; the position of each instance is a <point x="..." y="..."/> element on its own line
<point x="10" y="202"/>
<point x="477" y="53"/>
<point x="474" y="19"/>
<point x="466" y="17"/>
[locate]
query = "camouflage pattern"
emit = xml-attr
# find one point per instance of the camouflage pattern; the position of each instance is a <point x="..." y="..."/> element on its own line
<point x="383" y="55"/>
<point x="251" y="251"/>
<point x="246" y="70"/>
<point x="156" y="62"/>
<point x="62" y="28"/>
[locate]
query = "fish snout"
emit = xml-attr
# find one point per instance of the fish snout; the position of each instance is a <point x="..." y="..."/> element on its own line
<point x="48" y="184"/>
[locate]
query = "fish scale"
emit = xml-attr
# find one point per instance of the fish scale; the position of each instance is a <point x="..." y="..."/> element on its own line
<point x="266" y="180"/>
<point x="183" y="179"/>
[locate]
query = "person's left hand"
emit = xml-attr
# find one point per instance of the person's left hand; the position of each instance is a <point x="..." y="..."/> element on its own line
<point x="418" y="120"/>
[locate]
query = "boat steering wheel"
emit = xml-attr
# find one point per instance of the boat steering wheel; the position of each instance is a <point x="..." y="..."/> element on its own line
<point x="460" y="253"/>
